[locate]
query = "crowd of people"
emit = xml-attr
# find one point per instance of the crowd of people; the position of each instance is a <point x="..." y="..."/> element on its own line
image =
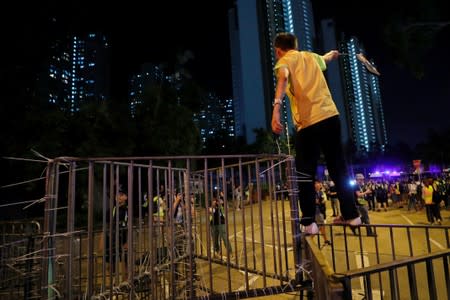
<point x="429" y="194"/>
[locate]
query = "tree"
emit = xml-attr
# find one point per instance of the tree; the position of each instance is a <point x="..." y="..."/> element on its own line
<point x="165" y="127"/>
<point x="436" y="149"/>
<point x="264" y="142"/>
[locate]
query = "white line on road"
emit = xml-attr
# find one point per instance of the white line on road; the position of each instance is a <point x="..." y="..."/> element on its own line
<point x="407" y="219"/>
<point x="240" y="235"/>
<point x="431" y="240"/>
<point x="361" y="262"/>
<point x="250" y="282"/>
<point x="437" y="244"/>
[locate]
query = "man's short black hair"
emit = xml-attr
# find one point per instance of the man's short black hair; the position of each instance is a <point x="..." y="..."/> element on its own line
<point x="286" y="41"/>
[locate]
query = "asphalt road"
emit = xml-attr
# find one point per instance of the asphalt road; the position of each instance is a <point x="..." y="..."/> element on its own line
<point x="400" y="216"/>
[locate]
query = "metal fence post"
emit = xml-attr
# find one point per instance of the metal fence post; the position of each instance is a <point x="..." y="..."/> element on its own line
<point x="295" y="216"/>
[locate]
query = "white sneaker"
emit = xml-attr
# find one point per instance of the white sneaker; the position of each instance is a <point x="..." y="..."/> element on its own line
<point x="354" y="222"/>
<point x="310" y="229"/>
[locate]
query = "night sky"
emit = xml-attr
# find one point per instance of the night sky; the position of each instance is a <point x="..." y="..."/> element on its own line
<point x="411" y="104"/>
<point x="139" y="34"/>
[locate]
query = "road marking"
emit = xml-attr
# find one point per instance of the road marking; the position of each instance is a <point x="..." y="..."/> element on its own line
<point x="431" y="240"/>
<point x="250" y="282"/>
<point x="240" y="232"/>
<point x="363" y="262"/>
<point x="258" y="242"/>
<point x="240" y="235"/>
<point x="407" y="219"/>
<point x="437" y="244"/>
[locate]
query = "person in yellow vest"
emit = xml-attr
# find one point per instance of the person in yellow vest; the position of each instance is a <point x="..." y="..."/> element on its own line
<point x="437" y="198"/>
<point x="431" y="207"/>
<point x="158" y="207"/>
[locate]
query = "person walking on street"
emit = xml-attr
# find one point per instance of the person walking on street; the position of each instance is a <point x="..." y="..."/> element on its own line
<point x="299" y="74"/>
<point x="362" y="192"/>
<point x="370" y="197"/>
<point x="381" y="194"/>
<point x="238" y="197"/>
<point x="332" y="195"/>
<point x="321" y="210"/>
<point x="430" y="205"/>
<point x="218" y="227"/>
<point x="412" y="195"/>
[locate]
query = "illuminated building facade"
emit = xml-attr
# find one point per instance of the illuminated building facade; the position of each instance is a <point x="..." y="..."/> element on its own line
<point x="79" y="71"/>
<point x="149" y="75"/>
<point x="253" y="26"/>
<point x="363" y="101"/>
<point x="215" y="120"/>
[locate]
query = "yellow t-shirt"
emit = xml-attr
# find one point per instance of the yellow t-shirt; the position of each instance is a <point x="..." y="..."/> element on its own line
<point x="309" y="95"/>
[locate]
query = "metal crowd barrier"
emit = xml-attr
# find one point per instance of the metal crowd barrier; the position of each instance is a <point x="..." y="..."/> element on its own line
<point x="78" y="254"/>
<point x="400" y="262"/>
<point x="20" y="260"/>
<point x="164" y="258"/>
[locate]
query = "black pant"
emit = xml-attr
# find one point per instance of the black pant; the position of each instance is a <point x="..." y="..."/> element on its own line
<point x="111" y="246"/>
<point x="324" y="136"/>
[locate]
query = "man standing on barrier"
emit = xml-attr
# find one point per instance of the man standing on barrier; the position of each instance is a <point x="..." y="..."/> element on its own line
<point x="300" y="75"/>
